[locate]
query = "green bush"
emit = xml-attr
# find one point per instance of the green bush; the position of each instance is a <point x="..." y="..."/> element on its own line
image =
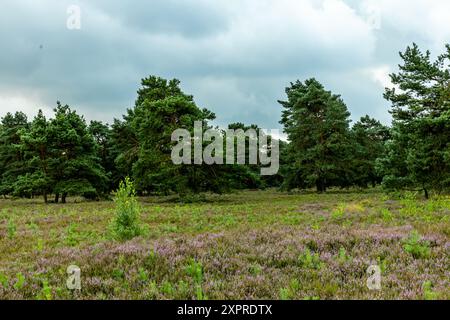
<point x="46" y="291"/>
<point x="126" y="224"/>
<point x="72" y="238"/>
<point x="342" y="256"/>
<point x="290" y="292"/>
<point x="4" y="281"/>
<point x="428" y="292"/>
<point x="387" y="215"/>
<point x="20" y="281"/>
<point x="310" y="260"/>
<point x="339" y="212"/>
<point x="416" y="247"/>
<point x="11" y="228"/>
<point x="195" y="271"/>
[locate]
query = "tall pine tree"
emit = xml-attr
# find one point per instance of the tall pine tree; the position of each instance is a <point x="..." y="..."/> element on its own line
<point x="74" y="167"/>
<point x="317" y="124"/>
<point x="145" y="140"/>
<point x="418" y="154"/>
<point x="12" y="158"/>
<point x="35" y="144"/>
<point x="369" y="137"/>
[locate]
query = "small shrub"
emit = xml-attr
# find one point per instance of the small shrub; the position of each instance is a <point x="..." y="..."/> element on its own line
<point x="126" y="224"/>
<point x="255" y="269"/>
<point x="290" y="292"/>
<point x="39" y="245"/>
<point x="386" y="214"/>
<point x="4" y="214"/>
<point x="339" y="212"/>
<point x="295" y="285"/>
<point x="167" y="289"/>
<point x="151" y="260"/>
<point x="382" y="263"/>
<point x="20" y="282"/>
<point x="152" y="290"/>
<point x="3" y="280"/>
<point x="33" y="226"/>
<point x="195" y="271"/>
<point x="312" y="245"/>
<point x="285" y="294"/>
<point x="143" y="275"/>
<point x="182" y="290"/>
<point x="118" y="274"/>
<point x="11" y="228"/>
<point x="310" y="260"/>
<point x="46" y="292"/>
<point x="416" y="247"/>
<point x="343" y="256"/>
<point x="315" y="226"/>
<point x="428" y="293"/>
<point x="72" y="237"/>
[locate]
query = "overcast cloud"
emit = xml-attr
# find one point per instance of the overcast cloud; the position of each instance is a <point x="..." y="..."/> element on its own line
<point x="235" y="57"/>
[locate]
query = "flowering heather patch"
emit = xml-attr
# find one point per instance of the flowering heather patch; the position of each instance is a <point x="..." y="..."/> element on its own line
<point x="252" y="245"/>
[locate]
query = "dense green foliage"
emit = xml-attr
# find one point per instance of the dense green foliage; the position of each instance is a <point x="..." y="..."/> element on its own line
<point x="50" y="157"/>
<point x="369" y="137"/>
<point x="64" y="156"/>
<point x="418" y="155"/>
<point x="317" y="124"/>
<point x="12" y="162"/>
<point x="142" y="144"/>
<point x="160" y="109"/>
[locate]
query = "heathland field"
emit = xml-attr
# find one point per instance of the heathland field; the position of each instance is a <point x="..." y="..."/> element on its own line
<point x="249" y="245"/>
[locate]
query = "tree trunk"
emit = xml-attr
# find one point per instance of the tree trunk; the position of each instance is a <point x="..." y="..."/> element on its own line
<point x="320" y="185"/>
<point x="427" y="196"/>
<point x="45" y="198"/>
<point x="57" y="198"/>
<point x="63" y="198"/>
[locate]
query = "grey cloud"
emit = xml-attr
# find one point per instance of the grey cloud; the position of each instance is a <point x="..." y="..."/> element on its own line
<point x="236" y="58"/>
<point x="187" y="18"/>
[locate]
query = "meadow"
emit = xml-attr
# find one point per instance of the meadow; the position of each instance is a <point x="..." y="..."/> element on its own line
<point x="247" y="245"/>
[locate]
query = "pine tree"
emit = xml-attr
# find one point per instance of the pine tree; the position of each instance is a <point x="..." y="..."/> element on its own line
<point x="35" y="145"/>
<point x="161" y="108"/>
<point x="123" y="149"/>
<point x="12" y="158"/>
<point x="317" y="124"/>
<point x="74" y="167"/>
<point x="244" y="176"/>
<point x="418" y="154"/>
<point x="102" y="135"/>
<point x="369" y="137"/>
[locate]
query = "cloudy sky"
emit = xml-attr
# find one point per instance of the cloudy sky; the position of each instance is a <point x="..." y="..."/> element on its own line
<point x="235" y="56"/>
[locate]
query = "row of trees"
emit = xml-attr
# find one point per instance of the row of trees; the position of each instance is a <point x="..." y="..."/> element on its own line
<point x="57" y="156"/>
<point x="323" y="150"/>
<point x="65" y="156"/>
<point x="414" y="154"/>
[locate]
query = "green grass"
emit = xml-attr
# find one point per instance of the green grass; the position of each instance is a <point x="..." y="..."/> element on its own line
<point x="248" y="245"/>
